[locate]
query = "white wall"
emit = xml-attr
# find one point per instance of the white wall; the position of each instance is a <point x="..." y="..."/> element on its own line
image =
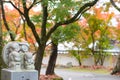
<point x="63" y="59"/>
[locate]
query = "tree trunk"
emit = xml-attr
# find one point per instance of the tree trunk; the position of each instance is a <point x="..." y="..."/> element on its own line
<point x="12" y="37"/>
<point x="52" y="60"/>
<point x="79" y="62"/>
<point x="39" y="58"/>
<point x="117" y="67"/>
<point x="0" y="42"/>
<point x="2" y="64"/>
<point x="102" y="59"/>
<point x="79" y="59"/>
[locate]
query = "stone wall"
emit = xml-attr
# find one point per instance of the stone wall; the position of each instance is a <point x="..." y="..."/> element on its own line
<point x="63" y="59"/>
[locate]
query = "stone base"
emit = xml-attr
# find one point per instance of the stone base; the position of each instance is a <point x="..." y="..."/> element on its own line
<point x="8" y="74"/>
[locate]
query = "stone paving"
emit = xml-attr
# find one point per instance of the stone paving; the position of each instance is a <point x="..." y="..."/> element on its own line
<point x="87" y="76"/>
<point x="74" y="75"/>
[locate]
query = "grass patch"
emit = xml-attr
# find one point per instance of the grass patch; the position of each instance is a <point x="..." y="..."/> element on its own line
<point x="98" y="71"/>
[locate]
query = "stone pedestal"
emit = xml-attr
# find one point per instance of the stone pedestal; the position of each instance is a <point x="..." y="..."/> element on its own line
<point x="8" y="74"/>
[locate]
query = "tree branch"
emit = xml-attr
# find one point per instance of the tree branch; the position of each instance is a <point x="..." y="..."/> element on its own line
<point x="27" y="18"/>
<point x="25" y="7"/>
<point x="5" y="22"/>
<point x="34" y="3"/>
<point x="82" y="9"/>
<point x="44" y="22"/>
<point x="113" y="3"/>
<point x="15" y="7"/>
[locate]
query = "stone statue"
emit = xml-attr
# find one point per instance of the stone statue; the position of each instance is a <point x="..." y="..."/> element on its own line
<point x="17" y="56"/>
<point x="29" y="63"/>
<point x="14" y="59"/>
<point x="28" y="57"/>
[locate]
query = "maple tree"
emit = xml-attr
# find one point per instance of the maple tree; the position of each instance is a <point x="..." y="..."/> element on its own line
<point x="117" y="67"/>
<point x="2" y="64"/>
<point x="62" y="34"/>
<point x="95" y="31"/>
<point x="5" y="22"/>
<point x="58" y="16"/>
<point x="80" y="42"/>
<point x="16" y="26"/>
<point x="100" y="34"/>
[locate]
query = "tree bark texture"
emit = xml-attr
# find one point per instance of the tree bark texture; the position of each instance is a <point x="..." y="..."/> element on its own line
<point x="39" y="58"/>
<point x="52" y="60"/>
<point x="114" y="5"/>
<point x="5" y="22"/>
<point x="79" y="58"/>
<point x="0" y="42"/>
<point x="2" y="64"/>
<point x="117" y="67"/>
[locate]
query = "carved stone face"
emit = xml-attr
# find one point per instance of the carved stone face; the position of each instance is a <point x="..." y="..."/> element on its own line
<point x="25" y="48"/>
<point x="16" y="46"/>
<point x="28" y="55"/>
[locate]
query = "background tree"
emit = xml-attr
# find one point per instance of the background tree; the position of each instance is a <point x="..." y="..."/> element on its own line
<point x="62" y="34"/>
<point x="117" y="67"/>
<point x="12" y="22"/>
<point x="77" y="55"/>
<point x="79" y="41"/>
<point x="95" y="29"/>
<point x="6" y="23"/>
<point x="0" y="40"/>
<point x="94" y="25"/>
<point x="2" y="64"/>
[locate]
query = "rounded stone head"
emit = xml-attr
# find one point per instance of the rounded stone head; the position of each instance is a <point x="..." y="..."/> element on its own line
<point x="8" y="48"/>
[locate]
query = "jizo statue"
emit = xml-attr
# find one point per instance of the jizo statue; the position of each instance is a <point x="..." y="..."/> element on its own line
<point x="17" y="56"/>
